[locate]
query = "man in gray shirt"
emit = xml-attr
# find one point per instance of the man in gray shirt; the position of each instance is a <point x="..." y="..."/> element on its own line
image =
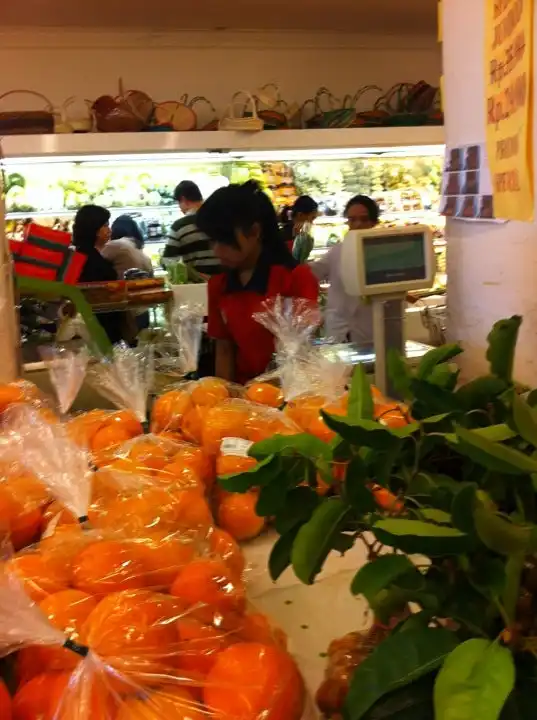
<point x="185" y="241"/>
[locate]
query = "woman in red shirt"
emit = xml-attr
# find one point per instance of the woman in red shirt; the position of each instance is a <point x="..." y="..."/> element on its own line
<point x="243" y="227"/>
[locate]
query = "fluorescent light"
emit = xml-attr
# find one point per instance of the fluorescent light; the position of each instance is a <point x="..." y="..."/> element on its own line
<point x="219" y="156"/>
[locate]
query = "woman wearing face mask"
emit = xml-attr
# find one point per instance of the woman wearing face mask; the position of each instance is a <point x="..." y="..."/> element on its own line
<point x="243" y="227"/>
<point x="296" y="223"/>
<point x="346" y="317"/>
<point x="91" y="232"/>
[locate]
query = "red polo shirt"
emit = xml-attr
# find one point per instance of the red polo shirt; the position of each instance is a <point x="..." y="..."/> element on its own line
<point x="231" y="306"/>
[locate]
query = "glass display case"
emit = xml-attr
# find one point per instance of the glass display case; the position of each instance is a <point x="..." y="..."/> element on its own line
<point x="405" y="181"/>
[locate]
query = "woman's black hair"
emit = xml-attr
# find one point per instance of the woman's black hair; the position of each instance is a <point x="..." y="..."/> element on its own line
<point x="239" y="207"/>
<point x="373" y="210"/>
<point x="126" y="227"/>
<point x="88" y="221"/>
<point x="304" y="204"/>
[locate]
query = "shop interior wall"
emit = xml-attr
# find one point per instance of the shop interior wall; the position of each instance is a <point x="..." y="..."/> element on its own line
<point x="61" y="63"/>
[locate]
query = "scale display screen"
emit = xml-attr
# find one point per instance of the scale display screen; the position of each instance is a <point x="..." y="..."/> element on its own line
<point x="393" y="259"/>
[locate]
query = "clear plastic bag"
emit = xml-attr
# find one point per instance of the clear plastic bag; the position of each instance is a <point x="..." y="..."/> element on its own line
<point x="187" y="325"/>
<point x="164" y="458"/>
<point x="182" y="409"/>
<point x="195" y="653"/>
<point x="125" y="379"/>
<point x="292" y="321"/>
<point x="67" y="370"/>
<point x="141" y="623"/>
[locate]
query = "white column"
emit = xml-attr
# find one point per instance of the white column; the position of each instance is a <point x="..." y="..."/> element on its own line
<point x="492" y="269"/>
<point x="9" y="331"/>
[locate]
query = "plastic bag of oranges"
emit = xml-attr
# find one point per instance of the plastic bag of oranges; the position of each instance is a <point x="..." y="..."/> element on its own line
<point x="182" y="409"/>
<point x="242" y="420"/>
<point x="190" y="654"/>
<point x="125" y="379"/>
<point x="166" y="458"/>
<point x="67" y="370"/>
<point x="23" y="502"/>
<point x="23" y="392"/>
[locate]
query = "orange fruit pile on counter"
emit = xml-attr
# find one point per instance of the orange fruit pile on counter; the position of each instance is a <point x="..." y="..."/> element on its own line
<point x="169" y="617"/>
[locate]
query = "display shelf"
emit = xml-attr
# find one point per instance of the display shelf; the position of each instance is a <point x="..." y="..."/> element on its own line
<point x="228" y="143"/>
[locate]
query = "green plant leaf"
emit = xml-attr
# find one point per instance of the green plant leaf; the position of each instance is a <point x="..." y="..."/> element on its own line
<point x="397" y="662"/>
<point x="413" y="702"/>
<point x="499" y="534"/>
<point x="355" y="492"/>
<point x="525" y="418"/>
<point x="361" y="405"/>
<point x="502" y="341"/>
<point x="300" y="504"/>
<point x="440" y="517"/>
<point x="280" y="555"/>
<point x="315" y="539"/>
<point x="462" y="508"/>
<point x="480" y="392"/>
<point x="262" y="474"/>
<point x="416" y="536"/>
<point x="399" y="373"/>
<point x="302" y="444"/>
<point x="363" y="433"/>
<point x="435" y="357"/>
<point x="379" y="574"/>
<point x="492" y="455"/>
<point x="436" y="400"/>
<point x="444" y="377"/>
<point x="475" y="681"/>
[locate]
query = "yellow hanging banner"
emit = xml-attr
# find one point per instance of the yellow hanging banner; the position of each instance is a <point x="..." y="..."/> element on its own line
<point x="509" y="88"/>
<point x="440" y="17"/>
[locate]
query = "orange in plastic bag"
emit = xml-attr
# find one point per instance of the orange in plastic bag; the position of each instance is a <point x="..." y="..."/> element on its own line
<point x="230" y="695"/>
<point x="236" y="514"/>
<point x="211" y="585"/>
<point x="99" y="430"/>
<point x="40" y="575"/>
<point x="20" y="391"/>
<point x="179" y="410"/>
<point x="265" y="394"/>
<point x="173" y="704"/>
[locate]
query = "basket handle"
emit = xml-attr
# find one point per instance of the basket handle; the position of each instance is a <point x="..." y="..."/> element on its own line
<point x="325" y="92"/>
<point x="234" y="103"/>
<point x="50" y="106"/>
<point x="362" y="91"/>
<point x="198" y="99"/>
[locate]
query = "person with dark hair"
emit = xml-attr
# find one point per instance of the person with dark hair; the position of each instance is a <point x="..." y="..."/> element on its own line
<point x="91" y="232"/>
<point x="125" y="253"/>
<point x="243" y="227"/>
<point x="346" y="317"/>
<point x="185" y="240"/>
<point x="296" y="222"/>
<point x="125" y="247"/>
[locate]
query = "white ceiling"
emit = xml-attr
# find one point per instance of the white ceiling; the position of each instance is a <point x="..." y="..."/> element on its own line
<point x="357" y="16"/>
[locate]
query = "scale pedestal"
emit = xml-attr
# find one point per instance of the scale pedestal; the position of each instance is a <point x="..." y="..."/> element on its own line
<point x="388" y="334"/>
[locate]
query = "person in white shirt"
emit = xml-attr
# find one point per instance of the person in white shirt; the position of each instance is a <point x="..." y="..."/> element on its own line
<point x="125" y="252"/>
<point x="347" y="318"/>
<point x="125" y="249"/>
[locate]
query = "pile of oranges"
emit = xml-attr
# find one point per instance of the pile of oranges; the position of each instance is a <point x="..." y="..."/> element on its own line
<point x="156" y="591"/>
<point x="181" y="645"/>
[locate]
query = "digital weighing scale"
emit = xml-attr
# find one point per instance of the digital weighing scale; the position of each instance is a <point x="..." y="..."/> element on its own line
<point x="382" y="266"/>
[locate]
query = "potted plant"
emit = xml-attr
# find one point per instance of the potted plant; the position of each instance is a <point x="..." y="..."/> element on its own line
<point x="458" y="544"/>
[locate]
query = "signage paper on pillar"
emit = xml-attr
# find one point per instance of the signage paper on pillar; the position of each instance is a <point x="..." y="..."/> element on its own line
<point x="466" y="185"/>
<point x="509" y="90"/>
